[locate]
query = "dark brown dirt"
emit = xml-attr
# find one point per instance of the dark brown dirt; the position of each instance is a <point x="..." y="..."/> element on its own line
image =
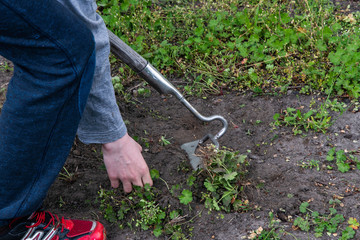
<point x="274" y="162"/>
<point x="347" y="6"/>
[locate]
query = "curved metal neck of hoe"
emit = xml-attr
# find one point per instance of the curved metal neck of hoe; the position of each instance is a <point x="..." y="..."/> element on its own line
<point x="162" y="85"/>
<point x="207" y="119"/>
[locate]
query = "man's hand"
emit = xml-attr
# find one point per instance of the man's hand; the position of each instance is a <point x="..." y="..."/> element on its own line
<point x="124" y="162"/>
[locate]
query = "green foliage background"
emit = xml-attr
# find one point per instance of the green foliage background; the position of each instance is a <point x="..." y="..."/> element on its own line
<point x="258" y="45"/>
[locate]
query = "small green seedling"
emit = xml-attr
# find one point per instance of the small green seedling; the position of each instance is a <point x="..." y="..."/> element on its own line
<point x="311" y="164"/>
<point x="67" y="176"/>
<point x="163" y="141"/>
<point x="186" y="197"/>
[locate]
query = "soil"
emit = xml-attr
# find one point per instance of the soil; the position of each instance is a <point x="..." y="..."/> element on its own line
<point x="274" y="162"/>
<point x="276" y="181"/>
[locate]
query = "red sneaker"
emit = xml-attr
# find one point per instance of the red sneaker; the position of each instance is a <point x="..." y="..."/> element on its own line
<point x="47" y="226"/>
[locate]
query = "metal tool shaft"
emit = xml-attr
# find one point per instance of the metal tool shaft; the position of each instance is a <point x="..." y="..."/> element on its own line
<point x="161" y="84"/>
<point x="156" y="79"/>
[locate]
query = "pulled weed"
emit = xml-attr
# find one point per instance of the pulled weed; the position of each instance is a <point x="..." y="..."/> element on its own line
<point x="223" y="179"/>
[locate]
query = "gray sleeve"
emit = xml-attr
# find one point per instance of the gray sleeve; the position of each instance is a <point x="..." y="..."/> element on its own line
<point x="101" y="121"/>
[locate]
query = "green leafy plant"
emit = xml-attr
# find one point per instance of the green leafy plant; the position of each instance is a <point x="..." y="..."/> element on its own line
<point x="310" y="164"/>
<point x="5" y="67"/>
<point x="145" y="92"/>
<point x="68" y="176"/>
<point x="120" y="89"/>
<point x="267" y="234"/>
<point x="223" y="175"/>
<point x="343" y="161"/>
<point x="317" y="119"/>
<point x="329" y="223"/>
<point x="144" y="210"/>
<point x="243" y="44"/>
<point x="150" y="215"/>
<point x="186" y="197"/>
<point x="163" y="141"/>
<point x="173" y="227"/>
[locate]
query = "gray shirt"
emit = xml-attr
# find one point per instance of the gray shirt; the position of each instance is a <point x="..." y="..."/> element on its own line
<point x="101" y="121"/>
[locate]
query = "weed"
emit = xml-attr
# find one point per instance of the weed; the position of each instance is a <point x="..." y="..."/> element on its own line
<point x="186" y="197"/>
<point x="173" y="228"/>
<point x="119" y="88"/>
<point x="150" y="215"/>
<point x="5" y="67"/>
<point x="311" y="164"/>
<point x="224" y="172"/>
<point x="140" y="209"/>
<point x="144" y="92"/>
<point x="317" y="119"/>
<point x="220" y="183"/>
<point x="163" y="141"/>
<point x="272" y="232"/>
<point x="174" y="189"/>
<point x="320" y="223"/>
<point x="67" y="176"/>
<point x="61" y="202"/>
<point x="142" y="140"/>
<point x="343" y="161"/>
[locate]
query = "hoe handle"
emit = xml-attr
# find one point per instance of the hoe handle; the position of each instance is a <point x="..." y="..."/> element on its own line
<point x="141" y="66"/>
<point x="156" y="79"/>
<point x="126" y="53"/>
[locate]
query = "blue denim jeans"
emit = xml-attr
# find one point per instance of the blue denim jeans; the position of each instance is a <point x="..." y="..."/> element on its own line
<point x="54" y="57"/>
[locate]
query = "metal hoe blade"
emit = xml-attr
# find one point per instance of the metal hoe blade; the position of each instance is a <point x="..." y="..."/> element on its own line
<point x="190" y="149"/>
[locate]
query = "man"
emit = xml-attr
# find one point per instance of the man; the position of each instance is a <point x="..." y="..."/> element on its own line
<point x="53" y="46"/>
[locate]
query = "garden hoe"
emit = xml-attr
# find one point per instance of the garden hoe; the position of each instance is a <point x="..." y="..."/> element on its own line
<point x="163" y="86"/>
